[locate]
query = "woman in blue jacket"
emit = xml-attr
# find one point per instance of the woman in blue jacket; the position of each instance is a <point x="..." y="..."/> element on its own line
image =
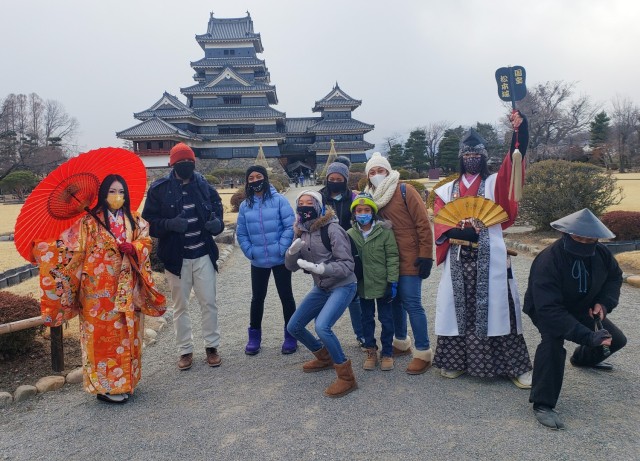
<point x="265" y="232"/>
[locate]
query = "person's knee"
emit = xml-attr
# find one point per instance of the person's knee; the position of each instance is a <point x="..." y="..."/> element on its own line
<point x="323" y="329"/>
<point x="619" y="341"/>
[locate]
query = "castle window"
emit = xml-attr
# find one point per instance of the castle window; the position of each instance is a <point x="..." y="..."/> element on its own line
<point x="236" y="129"/>
<point x="235" y="99"/>
<point x="160" y="145"/>
<point x="148" y="146"/>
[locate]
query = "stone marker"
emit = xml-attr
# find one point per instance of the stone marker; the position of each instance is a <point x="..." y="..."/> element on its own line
<point x="24" y="392"/>
<point x="75" y="376"/>
<point x="5" y="399"/>
<point x="634" y="280"/>
<point x="49" y="383"/>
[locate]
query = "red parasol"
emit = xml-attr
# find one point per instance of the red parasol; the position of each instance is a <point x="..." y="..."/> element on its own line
<point x="66" y="193"/>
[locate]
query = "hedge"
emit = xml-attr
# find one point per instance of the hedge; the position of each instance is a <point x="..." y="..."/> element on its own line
<point x="625" y="224"/>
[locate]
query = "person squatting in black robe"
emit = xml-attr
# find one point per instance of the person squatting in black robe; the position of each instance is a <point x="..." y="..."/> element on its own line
<point x="572" y="283"/>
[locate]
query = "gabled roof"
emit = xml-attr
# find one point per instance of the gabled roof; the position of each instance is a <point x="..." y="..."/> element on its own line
<point x="168" y="106"/>
<point x="300" y="125"/>
<point x="341" y="146"/>
<point x="340" y="126"/>
<point x="155" y="128"/>
<point x="239" y="113"/>
<point x="207" y="88"/>
<point x="336" y="98"/>
<point x="230" y="30"/>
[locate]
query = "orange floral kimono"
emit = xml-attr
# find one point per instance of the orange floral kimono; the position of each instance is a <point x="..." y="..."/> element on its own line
<point x="83" y="273"/>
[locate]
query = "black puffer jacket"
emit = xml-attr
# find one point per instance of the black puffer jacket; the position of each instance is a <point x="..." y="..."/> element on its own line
<point x="341" y="207"/>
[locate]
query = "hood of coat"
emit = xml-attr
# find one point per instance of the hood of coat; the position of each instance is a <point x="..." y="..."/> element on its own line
<point x="329" y="216"/>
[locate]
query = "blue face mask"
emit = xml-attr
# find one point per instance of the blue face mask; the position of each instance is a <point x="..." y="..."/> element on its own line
<point x="364" y="219"/>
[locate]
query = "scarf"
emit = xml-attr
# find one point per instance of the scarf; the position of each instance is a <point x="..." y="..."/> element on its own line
<point x="383" y="193"/>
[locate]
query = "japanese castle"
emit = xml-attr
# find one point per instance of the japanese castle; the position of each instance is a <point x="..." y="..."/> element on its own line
<point x="228" y="113"/>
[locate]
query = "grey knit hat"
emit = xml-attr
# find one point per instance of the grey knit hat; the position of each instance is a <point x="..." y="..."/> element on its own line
<point x="583" y="223"/>
<point x="340" y="166"/>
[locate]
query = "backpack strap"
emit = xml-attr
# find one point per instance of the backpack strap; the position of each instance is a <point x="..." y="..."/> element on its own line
<point x="403" y="191"/>
<point x="324" y="235"/>
<point x="326" y="241"/>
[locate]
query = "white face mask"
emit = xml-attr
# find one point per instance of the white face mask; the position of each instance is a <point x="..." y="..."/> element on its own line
<point x="377" y="179"/>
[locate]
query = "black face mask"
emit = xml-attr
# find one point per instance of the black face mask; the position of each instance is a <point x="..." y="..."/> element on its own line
<point x="335" y="187"/>
<point x="257" y="186"/>
<point x="307" y="213"/>
<point x="184" y="170"/>
<point x="582" y="250"/>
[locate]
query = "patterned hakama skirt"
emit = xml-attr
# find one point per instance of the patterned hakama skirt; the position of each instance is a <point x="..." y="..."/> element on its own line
<point x="484" y="357"/>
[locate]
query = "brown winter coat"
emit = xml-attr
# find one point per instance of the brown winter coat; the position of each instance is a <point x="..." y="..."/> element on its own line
<point x="411" y="227"/>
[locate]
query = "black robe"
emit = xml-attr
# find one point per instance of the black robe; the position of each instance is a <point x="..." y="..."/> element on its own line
<point x="553" y="299"/>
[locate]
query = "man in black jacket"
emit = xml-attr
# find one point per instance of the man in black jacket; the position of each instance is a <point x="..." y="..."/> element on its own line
<point x="573" y="285"/>
<point x="185" y="212"/>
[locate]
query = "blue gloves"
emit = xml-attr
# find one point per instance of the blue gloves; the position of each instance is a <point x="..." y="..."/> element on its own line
<point x="392" y="291"/>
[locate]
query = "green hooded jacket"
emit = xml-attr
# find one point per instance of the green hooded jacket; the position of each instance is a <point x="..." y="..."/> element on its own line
<point x="380" y="259"/>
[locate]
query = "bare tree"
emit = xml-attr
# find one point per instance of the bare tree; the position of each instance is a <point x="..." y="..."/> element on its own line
<point x="434" y="133"/>
<point x="34" y="134"/>
<point x="626" y="123"/>
<point x="555" y="116"/>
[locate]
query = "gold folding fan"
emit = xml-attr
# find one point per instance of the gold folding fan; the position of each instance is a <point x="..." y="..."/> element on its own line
<point x="480" y="208"/>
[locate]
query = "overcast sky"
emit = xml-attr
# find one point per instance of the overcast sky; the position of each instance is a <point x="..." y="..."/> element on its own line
<point x="410" y="62"/>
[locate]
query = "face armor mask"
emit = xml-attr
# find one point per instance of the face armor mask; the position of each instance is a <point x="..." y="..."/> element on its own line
<point x="582" y="250"/>
<point x="472" y="164"/>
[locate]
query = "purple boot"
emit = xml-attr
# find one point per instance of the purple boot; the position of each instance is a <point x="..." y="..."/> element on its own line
<point x="290" y="344"/>
<point x="253" y="345"/>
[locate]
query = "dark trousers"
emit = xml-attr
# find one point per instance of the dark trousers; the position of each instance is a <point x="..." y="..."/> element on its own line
<point x="548" y="365"/>
<point x="260" y="283"/>
<point x="385" y="316"/>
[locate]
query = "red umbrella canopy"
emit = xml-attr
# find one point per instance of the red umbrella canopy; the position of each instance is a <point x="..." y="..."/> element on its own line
<point x="62" y="197"/>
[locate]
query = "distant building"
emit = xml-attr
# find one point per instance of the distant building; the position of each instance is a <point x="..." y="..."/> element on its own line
<point x="228" y="112"/>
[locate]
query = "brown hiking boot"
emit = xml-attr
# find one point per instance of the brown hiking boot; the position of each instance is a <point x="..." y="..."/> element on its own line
<point x="185" y="362"/>
<point x="213" y="358"/>
<point x="386" y="363"/>
<point x="322" y="361"/>
<point x="345" y="383"/>
<point x="421" y="362"/>
<point x="372" y="359"/>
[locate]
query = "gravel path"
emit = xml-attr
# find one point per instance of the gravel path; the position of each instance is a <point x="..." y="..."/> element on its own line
<point x="264" y="407"/>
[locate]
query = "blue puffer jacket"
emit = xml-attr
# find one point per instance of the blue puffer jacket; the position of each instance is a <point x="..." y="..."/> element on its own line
<point x="265" y="230"/>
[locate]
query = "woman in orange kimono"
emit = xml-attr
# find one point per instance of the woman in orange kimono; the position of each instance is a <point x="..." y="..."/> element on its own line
<point x="101" y="271"/>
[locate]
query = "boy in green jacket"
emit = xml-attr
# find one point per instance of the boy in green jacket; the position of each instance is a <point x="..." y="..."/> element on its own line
<point x="378" y="282"/>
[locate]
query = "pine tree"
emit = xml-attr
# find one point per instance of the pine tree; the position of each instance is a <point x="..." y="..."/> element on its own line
<point x="396" y="156"/>
<point x="599" y="130"/>
<point x="415" y="150"/>
<point x="448" y="149"/>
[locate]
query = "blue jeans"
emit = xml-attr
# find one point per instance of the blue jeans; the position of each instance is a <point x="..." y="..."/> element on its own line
<point x="356" y="318"/>
<point x="385" y="315"/>
<point x="325" y="307"/>
<point x="409" y="301"/>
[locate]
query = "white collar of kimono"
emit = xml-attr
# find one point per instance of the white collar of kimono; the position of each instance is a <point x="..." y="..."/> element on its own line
<point x="467" y="182"/>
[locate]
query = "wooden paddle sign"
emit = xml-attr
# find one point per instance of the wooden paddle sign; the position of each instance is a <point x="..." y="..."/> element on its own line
<point x="511" y="84"/>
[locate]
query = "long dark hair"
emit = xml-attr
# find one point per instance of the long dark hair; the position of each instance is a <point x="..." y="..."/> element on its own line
<point x="103" y="206"/>
<point x="484" y="168"/>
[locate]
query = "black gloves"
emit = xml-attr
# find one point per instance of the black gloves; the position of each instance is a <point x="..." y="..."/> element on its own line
<point x="598" y="336"/>
<point x="424" y="267"/>
<point x="468" y="234"/>
<point x="178" y="224"/>
<point x="214" y="226"/>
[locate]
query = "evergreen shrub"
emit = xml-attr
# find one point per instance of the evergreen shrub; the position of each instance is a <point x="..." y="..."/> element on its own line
<point x="625" y="224"/>
<point x="354" y="180"/>
<point x="417" y="186"/>
<point x="13" y="308"/>
<point x="556" y="188"/>
<point x="432" y="195"/>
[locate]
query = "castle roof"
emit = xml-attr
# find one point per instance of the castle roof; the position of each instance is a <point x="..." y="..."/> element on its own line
<point x="168" y="106"/>
<point x="341" y="146"/>
<point x="339" y="126"/>
<point x="230" y="30"/>
<point x="300" y="124"/>
<point x="157" y="128"/>
<point x="336" y="99"/>
<point x="239" y="113"/>
<point x="214" y="63"/>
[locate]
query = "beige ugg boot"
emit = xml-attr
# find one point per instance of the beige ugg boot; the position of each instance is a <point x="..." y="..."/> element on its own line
<point x="345" y="383"/>
<point x="322" y="361"/>
<point x="401" y="346"/>
<point x="420" y="362"/>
